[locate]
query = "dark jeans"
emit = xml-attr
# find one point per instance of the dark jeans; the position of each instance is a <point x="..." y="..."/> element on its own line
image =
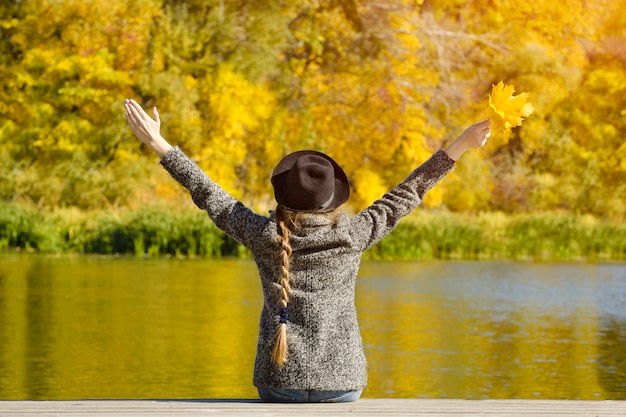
<point x="273" y="395"/>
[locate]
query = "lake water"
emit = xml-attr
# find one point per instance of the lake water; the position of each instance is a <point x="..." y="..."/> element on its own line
<point x="103" y="327"/>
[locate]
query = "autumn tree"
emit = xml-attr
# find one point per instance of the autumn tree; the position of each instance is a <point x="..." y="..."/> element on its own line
<point x="377" y="85"/>
<point x="65" y="67"/>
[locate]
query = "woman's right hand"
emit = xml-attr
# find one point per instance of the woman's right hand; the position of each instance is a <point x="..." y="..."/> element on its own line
<point x="148" y="130"/>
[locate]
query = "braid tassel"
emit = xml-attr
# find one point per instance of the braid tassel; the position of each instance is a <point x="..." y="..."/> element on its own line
<point x="279" y="355"/>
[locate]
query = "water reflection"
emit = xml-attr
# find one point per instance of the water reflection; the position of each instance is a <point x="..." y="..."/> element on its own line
<point x="485" y="330"/>
<point x="612" y="357"/>
<point x="40" y="333"/>
<point x="125" y="328"/>
<point x="89" y="327"/>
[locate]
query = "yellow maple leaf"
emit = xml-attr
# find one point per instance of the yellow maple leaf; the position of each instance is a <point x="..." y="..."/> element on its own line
<point x="506" y="110"/>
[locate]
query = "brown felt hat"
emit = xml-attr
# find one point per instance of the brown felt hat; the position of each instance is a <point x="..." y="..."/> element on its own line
<point x="310" y="181"/>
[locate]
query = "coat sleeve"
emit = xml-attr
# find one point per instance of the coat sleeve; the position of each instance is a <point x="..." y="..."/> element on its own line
<point x="229" y="214"/>
<point x="378" y="220"/>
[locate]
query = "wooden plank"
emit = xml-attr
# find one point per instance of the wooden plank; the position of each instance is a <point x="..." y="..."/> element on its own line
<point x="365" y="407"/>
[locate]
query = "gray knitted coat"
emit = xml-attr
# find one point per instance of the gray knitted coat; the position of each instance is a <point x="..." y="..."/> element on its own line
<point x="323" y="337"/>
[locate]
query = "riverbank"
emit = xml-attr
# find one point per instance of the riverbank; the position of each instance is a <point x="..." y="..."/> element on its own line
<point x="167" y="231"/>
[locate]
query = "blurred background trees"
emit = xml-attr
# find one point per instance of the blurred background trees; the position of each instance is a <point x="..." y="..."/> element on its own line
<point x="379" y="85"/>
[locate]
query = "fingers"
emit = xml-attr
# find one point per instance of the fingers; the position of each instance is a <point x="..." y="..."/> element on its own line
<point x="485" y="137"/>
<point x="130" y="117"/>
<point x="484" y="127"/>
<point x="142" y="125"/>
<point x="134" y="110"/>
<point x="155" y="113"/>
<point x="131" y="113"/>
<point x="477" y="134"/>
<point x="484" y="131"/>
<point x="137" y="118"/>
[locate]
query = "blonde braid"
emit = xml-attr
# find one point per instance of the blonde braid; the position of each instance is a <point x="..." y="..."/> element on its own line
<point x="280" y="352"/>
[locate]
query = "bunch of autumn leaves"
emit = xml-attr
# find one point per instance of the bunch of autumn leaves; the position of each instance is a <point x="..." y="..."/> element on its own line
<point x="507" y="110"/>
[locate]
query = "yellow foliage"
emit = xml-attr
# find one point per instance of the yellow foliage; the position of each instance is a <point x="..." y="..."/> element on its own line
<point x="368" y="186"/>
<point x="468" y="187"/>
<point x="546" y="192"/>
<point x="434" y="198"/>
<point x="239" y="104"/>
<point x="506" y="110"/>
<point x="377" y="85"/>
<point x="239" y="109"/>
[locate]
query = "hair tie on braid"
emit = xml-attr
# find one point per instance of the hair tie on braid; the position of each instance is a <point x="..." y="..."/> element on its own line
<point x="284" y="315"/>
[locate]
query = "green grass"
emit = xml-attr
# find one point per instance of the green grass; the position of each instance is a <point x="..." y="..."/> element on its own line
<point x="187" y="232"/>
<point x="149" y="231"/>
<point x="542" y="237"/>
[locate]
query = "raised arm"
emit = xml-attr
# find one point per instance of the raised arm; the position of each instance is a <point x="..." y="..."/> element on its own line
<point x="379" y="219"/>
<point x="148" y="130"/>
<point x="230" y="215"/>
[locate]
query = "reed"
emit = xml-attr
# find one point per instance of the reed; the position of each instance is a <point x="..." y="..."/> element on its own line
<point x="169" y="231"/>
<point x="540" y="237"/>
<point x="160" y="230"/>
<point x="19" y="227"/>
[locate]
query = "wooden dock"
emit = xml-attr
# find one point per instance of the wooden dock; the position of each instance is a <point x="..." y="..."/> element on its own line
<point x="363" y="407"/>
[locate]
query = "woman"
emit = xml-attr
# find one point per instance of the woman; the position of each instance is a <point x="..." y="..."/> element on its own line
<point x="308" y="254"/>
